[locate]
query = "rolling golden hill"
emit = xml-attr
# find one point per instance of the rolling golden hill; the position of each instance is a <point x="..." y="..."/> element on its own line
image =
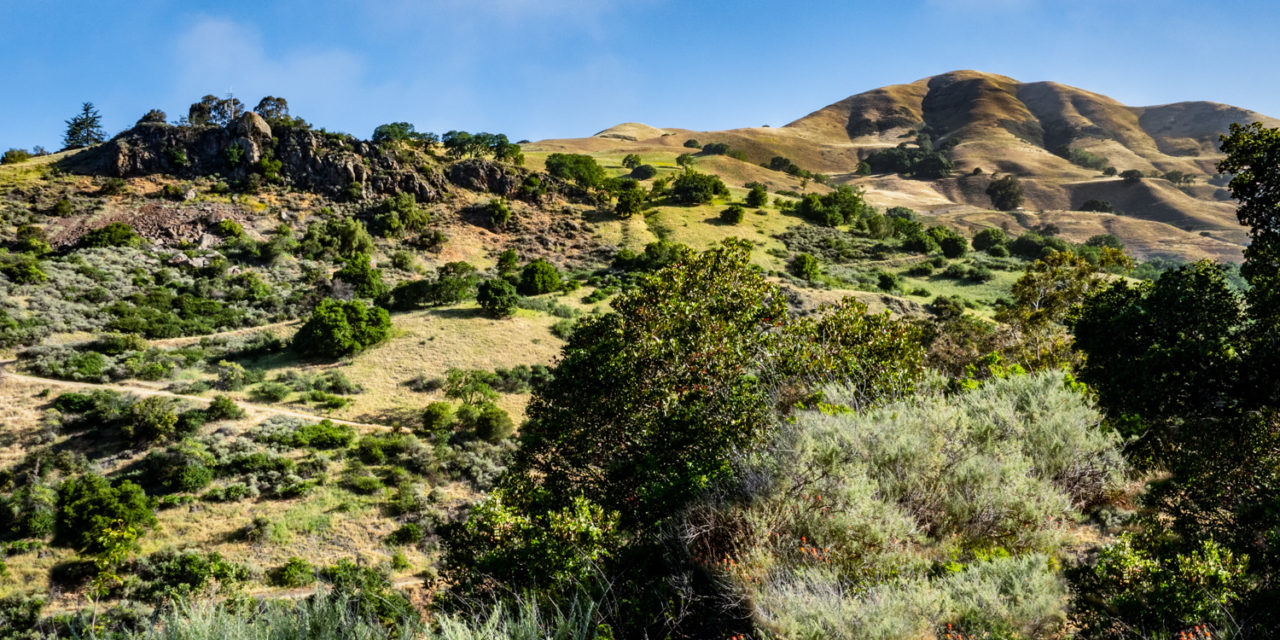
<point x="992" y="125"/>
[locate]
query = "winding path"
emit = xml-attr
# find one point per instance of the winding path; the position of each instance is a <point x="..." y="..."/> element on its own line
<point x="255" y="409"/>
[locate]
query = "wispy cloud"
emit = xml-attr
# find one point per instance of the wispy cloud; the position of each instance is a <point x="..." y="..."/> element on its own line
<point x="217" y="56"/>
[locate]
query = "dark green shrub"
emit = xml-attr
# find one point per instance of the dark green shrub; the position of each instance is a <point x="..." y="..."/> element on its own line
<point x="408" y="534"/>
<point x="62" y="208"/>
<point x="538" y="277"/>
<point x="692" y="188"/>
<point x="1129" y="584"/>
<point x="1131" y="176"/>
<point x="294" y="573"/>
<point x="323" y="435"/>
<point x="493" y="424"/>
<point x="170" y="574"/>
<point x="30" y="512"/>
<point x="1029" y="245"/>
<point x="327" y="400"/>
<point x="370" y="594"/>
<point x="758" y="196"/>
<point x="185" y="467"/>
<point x="149" y="420"/>
<point x="1099" y="206"/>
<point x="343" y="238"/>
<point x="20" y="614"/>
<point x="987" y="238"/>
<point x="804" y="266"/>
<point x="692" y="144"/>
<point x="437" y="417"/>
<point x="224" y="408"/>
<point x="88" y="505"/>
<point x="394" y="215"/>
<point x="887" y="281"/>
<point x="499" y="213"/>
<point x="920" y="270"/>
<point x="338" y="328"/>
<point x="229" y="228"/>
<point x="404" y="261"/>
<point x="116" y="234"/>
<point x="578" y="168"/>
<point x="979" y="274"/>
<point x="733" y="214"/>
<point x="644" y="172"/>
<point x="14" y="156"/>
<point x="271" y="392"/>
<point x="953" y="245"/>
<point x="359" y="272"/>
<point x="497" y="297"/>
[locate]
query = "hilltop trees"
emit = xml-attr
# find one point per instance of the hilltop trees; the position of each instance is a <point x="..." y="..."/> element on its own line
<point x="461" y="144"/>
<point x="212" y="110"/>
<point x="84" y="129"/>
<point x="581" y="169"/>
<point x="272" y="109"/>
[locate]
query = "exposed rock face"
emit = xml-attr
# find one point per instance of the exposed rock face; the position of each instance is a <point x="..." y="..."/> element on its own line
<point x="478" y="174"/>
<point x="326" y="163"/>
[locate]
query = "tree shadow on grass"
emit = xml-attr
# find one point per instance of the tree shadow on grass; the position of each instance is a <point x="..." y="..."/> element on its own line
<point x="402" y="417"/>
<point x="458" y="313"/>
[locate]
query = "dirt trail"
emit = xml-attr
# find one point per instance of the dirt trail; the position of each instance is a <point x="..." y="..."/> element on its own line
<point x="185" y="340"/>
<point x="253" y="409"/>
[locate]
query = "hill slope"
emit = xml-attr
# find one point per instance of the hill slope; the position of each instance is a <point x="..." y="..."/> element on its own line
<point x="992" y="124"/>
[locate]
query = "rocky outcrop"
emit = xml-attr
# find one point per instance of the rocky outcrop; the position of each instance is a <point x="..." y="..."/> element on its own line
<point x="478" y="174"/>
<point x="328" y="163"/>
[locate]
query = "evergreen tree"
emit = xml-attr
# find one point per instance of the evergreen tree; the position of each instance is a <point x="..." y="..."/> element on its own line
<point x="84" y="129"/>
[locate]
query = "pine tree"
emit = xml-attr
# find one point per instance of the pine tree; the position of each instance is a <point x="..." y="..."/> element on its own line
<point x="84" y="129"/>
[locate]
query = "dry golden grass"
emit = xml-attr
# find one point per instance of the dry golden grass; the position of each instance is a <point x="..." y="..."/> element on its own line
<point x="429" y="343"/>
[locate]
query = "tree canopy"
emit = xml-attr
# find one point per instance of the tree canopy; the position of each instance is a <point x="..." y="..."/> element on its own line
<point x="84" y="129"/>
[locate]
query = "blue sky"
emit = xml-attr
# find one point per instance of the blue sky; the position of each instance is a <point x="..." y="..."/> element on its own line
<point x="564" y="68"/>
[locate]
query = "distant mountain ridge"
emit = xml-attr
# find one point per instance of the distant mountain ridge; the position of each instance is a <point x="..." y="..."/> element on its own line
<point x="993" y="125"/>
<point x="982" y="108"/>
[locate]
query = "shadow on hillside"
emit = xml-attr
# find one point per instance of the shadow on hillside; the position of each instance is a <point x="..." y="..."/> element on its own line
<point x="398" y="417"/>
<point x="458" y="313"/>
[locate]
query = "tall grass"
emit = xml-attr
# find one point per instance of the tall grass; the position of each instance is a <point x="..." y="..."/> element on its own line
<point x="330" y="616"/>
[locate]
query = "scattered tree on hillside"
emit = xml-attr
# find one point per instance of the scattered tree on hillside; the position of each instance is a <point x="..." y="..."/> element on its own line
<point x="337" y="329"/>
<point x="758" y="196"/>
<point x="1131" y="176"/>
<point x="692" y="188"/>
<point x="1099" y="206"/>
<point x="733" y="214"/>
<point x="988" y="238"/>
<point x="581" y="169"/>
<point x="631" y="161"/>
<point x="630" y="200"/>
<point x="1005" y="193"/>
<point x="84" y="129"/>
<point x="538" y="277"/>
<point x="497" y="297"/>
